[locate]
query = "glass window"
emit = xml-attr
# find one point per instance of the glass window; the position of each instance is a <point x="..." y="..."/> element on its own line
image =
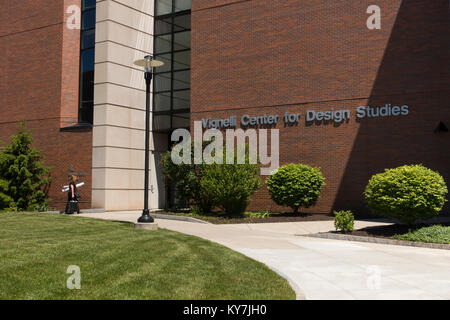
<point x="182" y="99"/>
<point x="163" y="7"/>
<point x="182" y="60"/>
<point x="182" y="23"/>
<point x="87" y="62"/>
<point x="171" y="100"/>
<point x="163" y="26"/>
<point x="167" y="59"/>
<point x="163" y="82"/>
<point x="87" y="77"/>
<point x="181" y="5"/>
<point x="88" y="20"/>
<point x="162" y="102"/>
<point x="163" y="44"/>
<point x="182" y="80"/>
<point x="88" y="39"/>
<point x="182" y="40"/>
<point x="181" y="120"/>
<point x="88" y="4"/>
<point x="161" y="122"/>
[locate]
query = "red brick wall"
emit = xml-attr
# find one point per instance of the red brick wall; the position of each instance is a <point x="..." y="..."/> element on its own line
<point x="263" y="56"/>
<point x="39" y="84"/>
<point x="70" y="68"/>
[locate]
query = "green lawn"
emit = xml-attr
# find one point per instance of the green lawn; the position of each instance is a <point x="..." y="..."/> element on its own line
<point x="433" y="234"/>
<point x="119" y="262"/>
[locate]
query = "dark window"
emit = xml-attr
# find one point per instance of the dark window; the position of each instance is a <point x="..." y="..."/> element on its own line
<point x="87" y="60"/>
<point x="171" y="100"/>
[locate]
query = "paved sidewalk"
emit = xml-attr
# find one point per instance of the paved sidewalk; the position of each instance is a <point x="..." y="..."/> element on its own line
<point x="327" y="269"/>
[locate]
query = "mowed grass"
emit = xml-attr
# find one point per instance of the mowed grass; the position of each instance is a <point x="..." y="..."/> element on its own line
<point x="433" y="234"/>
<point x="119" y="262"/>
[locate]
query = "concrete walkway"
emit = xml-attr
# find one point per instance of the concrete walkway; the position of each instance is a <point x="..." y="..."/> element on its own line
<point x="326" y="269"/>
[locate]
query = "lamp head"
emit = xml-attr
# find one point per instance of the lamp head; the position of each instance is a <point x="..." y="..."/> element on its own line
<point x="148" y="63"/>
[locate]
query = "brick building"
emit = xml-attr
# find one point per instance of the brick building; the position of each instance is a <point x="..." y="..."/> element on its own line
<point x="83" y="98"/>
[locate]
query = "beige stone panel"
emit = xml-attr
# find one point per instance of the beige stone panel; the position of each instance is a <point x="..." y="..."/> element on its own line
<point x="98" y="198"/>
<point x="120" y="75"/>
<point x="112" y="31"/>
<point x="115" y="200"/>
<point x="140" y="5"/>
<point x="124" y="200"/>
<point x="109" y="157"/>
<point x="110" y="93"/>
<point x="121" y="13"/>
<point x="119" y="116"/>
<point x="111" y="136"/>
<point x="116" y="53"/>
<point x="107" y="178"/>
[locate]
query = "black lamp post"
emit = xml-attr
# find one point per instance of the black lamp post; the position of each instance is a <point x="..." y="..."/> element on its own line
<point x="148" y="63"/>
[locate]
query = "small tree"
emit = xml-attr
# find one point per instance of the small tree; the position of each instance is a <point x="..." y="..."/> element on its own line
<point x="24" y="179"/>
<point x="295" y="186"/>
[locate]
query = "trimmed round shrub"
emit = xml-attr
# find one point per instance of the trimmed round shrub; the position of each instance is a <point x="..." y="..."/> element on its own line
<point x="406" y="193"/>
<point x="295" y="186"/>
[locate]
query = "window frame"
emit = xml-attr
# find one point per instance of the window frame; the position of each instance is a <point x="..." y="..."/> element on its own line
<point x="171" y="112"/>
<point x="81" y="108"/>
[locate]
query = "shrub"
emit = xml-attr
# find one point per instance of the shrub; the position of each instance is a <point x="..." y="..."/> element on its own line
<point x="230" y="186"/>
<point x="24" y="180"/>
<point x="344" y="220"/>
<point x="258" y="214"/>
<point x="204" y="186"/>
<point x="186" y="178"/>
<point x="295" y="186"/>
<point x="406" y="193"/>
<point x="433" y="234"/>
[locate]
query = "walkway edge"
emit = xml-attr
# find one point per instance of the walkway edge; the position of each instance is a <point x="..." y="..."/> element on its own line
<point x="179" y="218"/>
<point x="377" y="240"/>
<point x="299" y="295"/>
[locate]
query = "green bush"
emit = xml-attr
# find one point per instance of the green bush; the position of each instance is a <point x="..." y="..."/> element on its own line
<point x="406" y="193"/>
<point x="344" y="221"/>
<point x="24" y="180"/>
<point x="258" y="214"/>
<point x="432" y="234"/>
<point x="295" y="186"/>
<point x="186" y="178"/>
<point x="205" y="186"/>
<point x="230" y="186"/>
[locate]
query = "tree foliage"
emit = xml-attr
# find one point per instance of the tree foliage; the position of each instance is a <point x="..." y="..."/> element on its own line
<point x="24" y="180"/>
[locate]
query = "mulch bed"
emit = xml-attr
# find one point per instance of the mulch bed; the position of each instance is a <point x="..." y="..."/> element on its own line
<point x="282" y="217"/>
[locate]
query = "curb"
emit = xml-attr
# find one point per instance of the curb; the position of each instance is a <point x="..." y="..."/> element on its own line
<point x="299" y="295"/>
<point x="378" y="240"/>
<point x="179" y="218"/>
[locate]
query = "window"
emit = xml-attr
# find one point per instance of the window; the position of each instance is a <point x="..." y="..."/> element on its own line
<point x="87" y="60"/>
<point x="171" y="99"/>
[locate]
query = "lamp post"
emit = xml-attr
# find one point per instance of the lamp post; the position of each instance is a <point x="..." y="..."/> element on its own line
<point x="148" y="63"/>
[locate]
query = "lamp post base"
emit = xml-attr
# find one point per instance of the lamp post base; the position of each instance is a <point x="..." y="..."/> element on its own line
<point x="146" y="226"/>
<point x="146" y="218"/>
